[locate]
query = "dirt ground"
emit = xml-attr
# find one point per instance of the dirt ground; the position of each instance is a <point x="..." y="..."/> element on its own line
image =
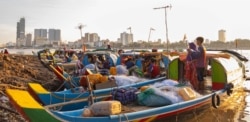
<point x="17" y="70"/>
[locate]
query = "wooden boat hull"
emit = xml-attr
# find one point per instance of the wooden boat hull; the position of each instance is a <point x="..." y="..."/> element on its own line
<point x="33" y="111"/>
<point x="140" y="116"/>
<point x="47" y="98"/>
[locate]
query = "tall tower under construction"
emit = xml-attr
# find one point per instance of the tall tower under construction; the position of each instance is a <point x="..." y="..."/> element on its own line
<point x="20" y="32"/>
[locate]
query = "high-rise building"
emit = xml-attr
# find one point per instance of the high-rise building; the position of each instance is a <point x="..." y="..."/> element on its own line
<point x="29" y="40"/>
<point x="40" y="33"/>
<point x="95" y="40"/>
<point x="40" y="36"/>
<point x="130" y="38"/>
<point x="87" y="37"/>
<point x="123" y="38"/>
<point x="126" y="38"/>
<point x="20" y="29"/>
<point x="222" y="35"/>
<point x="54" y="35"/>
<point x="94" y="37"/>
<point x="20" y="32"/>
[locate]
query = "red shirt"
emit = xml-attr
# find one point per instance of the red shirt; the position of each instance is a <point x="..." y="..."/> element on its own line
<point x="155" y="71"/>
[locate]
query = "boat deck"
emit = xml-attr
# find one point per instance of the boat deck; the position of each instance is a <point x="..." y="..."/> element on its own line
<point x="109" y="84"/>
<point x="132" y="107"/>
<point x="135" y="107"/>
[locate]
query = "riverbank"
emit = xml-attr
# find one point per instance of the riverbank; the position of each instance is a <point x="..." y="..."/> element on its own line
<point x="15" y="72"/>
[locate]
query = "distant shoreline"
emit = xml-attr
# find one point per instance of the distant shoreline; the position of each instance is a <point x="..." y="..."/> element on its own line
<point x="137" y="48"/>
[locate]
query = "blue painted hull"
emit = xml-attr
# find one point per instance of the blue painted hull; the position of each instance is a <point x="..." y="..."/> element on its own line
<point x="155" y="113"/>
<point x="68" y="95"/>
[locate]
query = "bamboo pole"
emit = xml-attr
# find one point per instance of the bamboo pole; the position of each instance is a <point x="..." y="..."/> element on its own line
<point x="61" y="75"/>
<point x="90" y="99"/>
<point x="54" y="69"/>
<point x="74" y="101"/>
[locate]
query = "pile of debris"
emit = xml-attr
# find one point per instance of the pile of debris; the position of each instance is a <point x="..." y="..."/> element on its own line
<point x="15" y="72"/>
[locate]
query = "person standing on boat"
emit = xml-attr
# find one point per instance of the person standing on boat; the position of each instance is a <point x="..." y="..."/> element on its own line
<point x="200" y="55"/>
<point x="190" y="67"/>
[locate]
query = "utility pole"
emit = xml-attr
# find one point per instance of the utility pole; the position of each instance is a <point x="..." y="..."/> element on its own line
<point x="165" y="8"/>
<point x="150" y="34"/>
<point x="130" y="35"/>
<point x="80" y="27"/>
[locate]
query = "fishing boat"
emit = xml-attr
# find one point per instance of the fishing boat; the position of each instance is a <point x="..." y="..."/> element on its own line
<point x="222" y="81"/>
<point x="140" y="59"/>
<point x="76" y="72"/>
<point x="108" y="55"/>
<point x="162" y="58"/>
<point x="101" y="54"/>
<point x="45" y="97"/>
<point x="45" y="56"/>
<point x="66" y="58"/>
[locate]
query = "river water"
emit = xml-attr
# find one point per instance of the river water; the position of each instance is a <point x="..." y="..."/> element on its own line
<point x="206" y="113"/>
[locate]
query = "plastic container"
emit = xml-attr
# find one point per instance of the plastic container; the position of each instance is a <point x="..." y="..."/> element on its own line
<point x="106" y="108"/>
<point x="112" y="71"/>
<point x="187" y="93"/>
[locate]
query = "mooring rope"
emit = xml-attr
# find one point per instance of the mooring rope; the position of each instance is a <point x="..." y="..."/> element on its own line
<point x="66" y="99"/>
<point x="120" y="117"/>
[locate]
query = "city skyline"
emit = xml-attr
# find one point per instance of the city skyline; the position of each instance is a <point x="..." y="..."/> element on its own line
<point x="109" y="18"/>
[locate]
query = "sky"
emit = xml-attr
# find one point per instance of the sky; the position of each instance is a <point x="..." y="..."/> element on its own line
<point x="109" y="18"/>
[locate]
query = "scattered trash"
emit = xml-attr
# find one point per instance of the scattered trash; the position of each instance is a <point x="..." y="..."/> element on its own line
<point x="4" y="99"/>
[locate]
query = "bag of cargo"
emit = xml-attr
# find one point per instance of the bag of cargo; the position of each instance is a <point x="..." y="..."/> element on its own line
<point x="104" y="108"/>
<point x="153" y="98"/>
<point x="125" y="95"/>
<point x="121" y="70"/>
